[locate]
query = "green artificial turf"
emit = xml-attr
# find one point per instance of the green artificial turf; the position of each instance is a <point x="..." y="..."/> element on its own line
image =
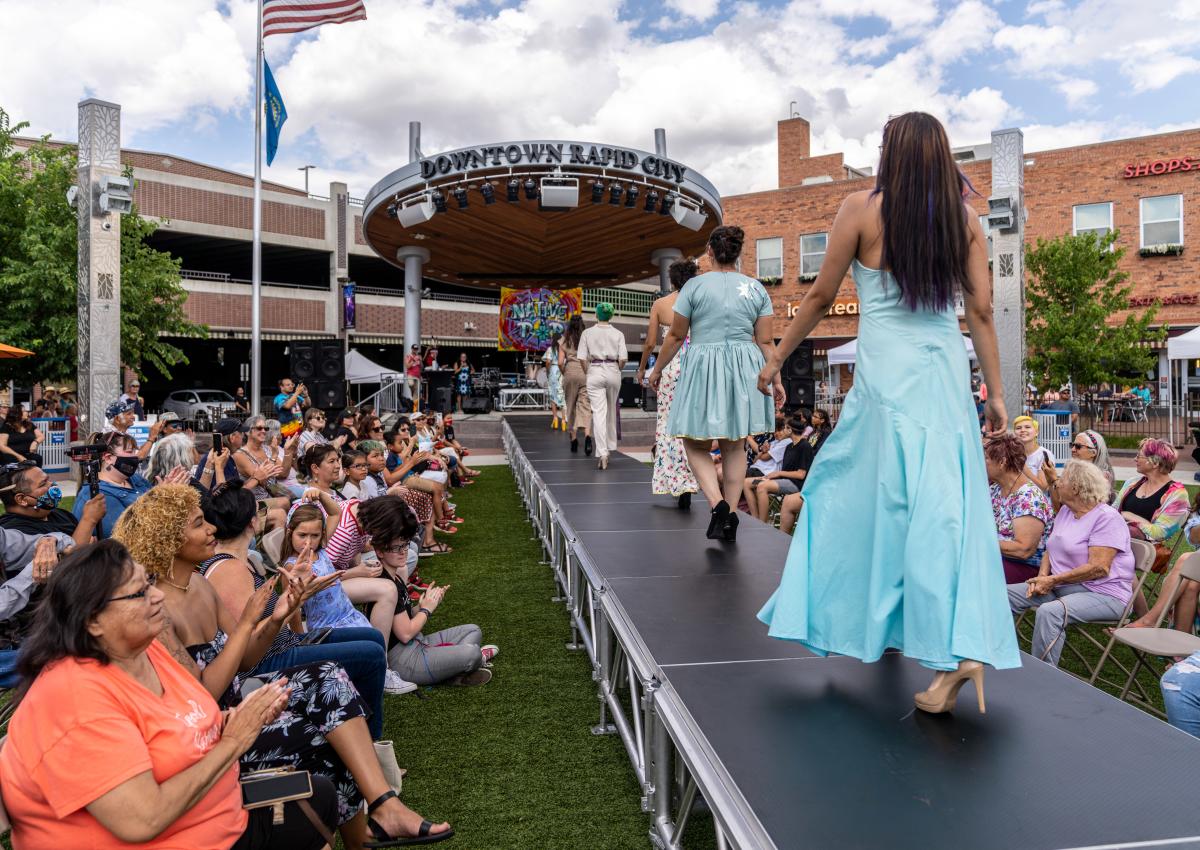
<point x="512" y="763"/>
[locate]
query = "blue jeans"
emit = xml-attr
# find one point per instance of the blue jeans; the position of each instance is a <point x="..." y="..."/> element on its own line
<point x="1181" y="694"/>
<point x="8" y="668"/>
<point x="360" y="651"/>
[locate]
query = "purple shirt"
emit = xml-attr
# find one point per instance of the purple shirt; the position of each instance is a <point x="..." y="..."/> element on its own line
<point x="1101" y="526"/>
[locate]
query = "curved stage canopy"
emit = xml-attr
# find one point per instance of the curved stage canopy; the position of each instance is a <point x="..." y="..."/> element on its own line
<point x="541" y="214"/>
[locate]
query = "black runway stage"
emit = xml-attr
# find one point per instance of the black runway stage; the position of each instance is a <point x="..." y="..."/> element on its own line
<point x="829" y="752"/>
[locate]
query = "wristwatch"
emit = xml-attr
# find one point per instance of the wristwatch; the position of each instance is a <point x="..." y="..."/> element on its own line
<point x="425" y="611"/>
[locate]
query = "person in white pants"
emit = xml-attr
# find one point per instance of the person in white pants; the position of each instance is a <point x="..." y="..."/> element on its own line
<point x="602" y="348"/>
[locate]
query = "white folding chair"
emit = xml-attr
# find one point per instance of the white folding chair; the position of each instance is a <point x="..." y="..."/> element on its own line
<point x="1143" y="561"/>
<point x="1160" y="642"/>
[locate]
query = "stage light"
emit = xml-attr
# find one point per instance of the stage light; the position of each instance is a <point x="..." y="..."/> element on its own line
<point x="651" y="200"/>
<point x="514" y="190"/>
<point x="531" y="191"/>
<point x="439" y="201"/>
<point x="631" y="197"/>
<point x="391" y="210"/>
<point x="668" y="202"/>
<point x="615" y="191"/>
<point x="597" y="191"/>
<point x="460" y="197"/>
<point x="489" y="194"/>
<point x="687" y="213"/>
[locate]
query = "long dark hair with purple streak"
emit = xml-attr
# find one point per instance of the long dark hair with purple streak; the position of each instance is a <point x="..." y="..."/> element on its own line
<point x="926" y="235"/>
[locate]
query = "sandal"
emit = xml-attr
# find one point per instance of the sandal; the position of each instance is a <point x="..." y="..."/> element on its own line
<point x="445" y="527"/>
<point x="438" y="548"/>
<point x="382" y="839"/>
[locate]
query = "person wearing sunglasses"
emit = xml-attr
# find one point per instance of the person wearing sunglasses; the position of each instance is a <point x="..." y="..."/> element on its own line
<point x="257" y="458"/>
<point x="1089" y="446"/>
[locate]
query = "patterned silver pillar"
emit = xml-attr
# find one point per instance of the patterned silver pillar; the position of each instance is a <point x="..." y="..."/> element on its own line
<point x="1008" y="265"/>
<point x="99" y="264"/>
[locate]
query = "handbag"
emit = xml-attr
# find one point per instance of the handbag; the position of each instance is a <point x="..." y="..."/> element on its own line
<point x="276" y="786"/>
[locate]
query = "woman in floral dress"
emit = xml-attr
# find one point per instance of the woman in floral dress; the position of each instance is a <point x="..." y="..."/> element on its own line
<point x="672" y="474"/>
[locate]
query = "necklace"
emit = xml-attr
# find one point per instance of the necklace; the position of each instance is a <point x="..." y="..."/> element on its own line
<point x="184" y="587"/>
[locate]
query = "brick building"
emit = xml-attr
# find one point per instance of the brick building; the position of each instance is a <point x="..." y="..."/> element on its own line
<point x="1148" y="188"/>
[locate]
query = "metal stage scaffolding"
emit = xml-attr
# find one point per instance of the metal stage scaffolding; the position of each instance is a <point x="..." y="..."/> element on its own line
<point x="791" y="750"/>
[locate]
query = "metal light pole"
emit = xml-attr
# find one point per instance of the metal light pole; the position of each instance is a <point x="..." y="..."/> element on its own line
<point x="306" y="169"/>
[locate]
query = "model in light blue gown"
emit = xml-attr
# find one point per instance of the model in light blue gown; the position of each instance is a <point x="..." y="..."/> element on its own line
<point x="895" y="547"/>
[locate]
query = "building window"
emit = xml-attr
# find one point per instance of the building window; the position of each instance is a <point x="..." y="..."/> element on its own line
<point x="769" y="256"/>
<point x="812" y="253"/>
<point x="1092" y="218"/>
<point x="987" y="231"/>
<point x="1162" y="220"/>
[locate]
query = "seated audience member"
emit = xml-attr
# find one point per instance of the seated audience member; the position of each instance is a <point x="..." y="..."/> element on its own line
<point x="1088" y="561"/>
<point x="321" y="467"/>
<point x="454" y="654"/>
<point x="354" y="465"/>
<point x="1039" y="463"/>
<point x="1022" y="511"/>
<point x="789" y="512"/>
<point x="445" y="432"/>
<point x="119" y="482"/>
<point x="1153" y="504"/>
<point x="312" y="435"/>
<point x="31" y="500"/>
<point x="1089" y="446"/>
<point x="373" y="485"/>
<point x="797" y="460"/>
<point x="368" y="426"/>
<point x="90" y="763"/>
<point x="404" y="466"/>
<point x="1180" y="687"/>
<point x="174" y="458"/>
<point x="345" y="427"/>
<point x="257" y="456"/>
<point x="309" y="525"/>
<point x="121" y="416"/>
<point x="232" y="438"/>
<point x="1183" y="617"/>
<point x="336" y="684"/>
<point x="26" y="563"/>
<point x="19" y="439"/>
<point x="768" y="458"/>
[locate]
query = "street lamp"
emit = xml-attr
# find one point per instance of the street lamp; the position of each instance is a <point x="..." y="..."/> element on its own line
<point x="306" y="169"/>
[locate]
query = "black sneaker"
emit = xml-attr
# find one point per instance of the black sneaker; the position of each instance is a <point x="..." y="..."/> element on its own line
<point x="588" y="445"/>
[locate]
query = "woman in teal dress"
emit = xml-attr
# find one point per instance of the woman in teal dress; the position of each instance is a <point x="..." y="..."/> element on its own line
<point x="731" y="322"/>
<point x="895" y="546"/>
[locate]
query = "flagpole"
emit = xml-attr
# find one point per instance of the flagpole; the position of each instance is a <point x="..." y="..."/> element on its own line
<point x="256" y="246"/>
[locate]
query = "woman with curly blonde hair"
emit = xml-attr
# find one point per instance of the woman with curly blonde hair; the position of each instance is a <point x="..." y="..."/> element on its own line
<point x="327" y="728"/>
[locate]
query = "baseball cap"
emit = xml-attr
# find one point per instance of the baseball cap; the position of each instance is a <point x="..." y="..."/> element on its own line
<point x="170" y="418"/>
<point x="116" y="408"/>
<point x="228" y="426"/>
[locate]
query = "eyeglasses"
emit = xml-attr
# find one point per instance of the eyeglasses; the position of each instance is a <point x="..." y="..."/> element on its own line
<point x="259" y="428"/>
<point x="151" y="580"/>
<point x="398" y="549"/>
<point x="1081" y="446"/>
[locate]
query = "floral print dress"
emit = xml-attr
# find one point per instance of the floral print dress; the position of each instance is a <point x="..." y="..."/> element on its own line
<point x="672" y="474"/>
<point x="322" y="698"/>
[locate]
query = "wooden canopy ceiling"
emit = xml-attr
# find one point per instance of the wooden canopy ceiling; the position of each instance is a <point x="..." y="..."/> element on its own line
<point x="520" y="245"/>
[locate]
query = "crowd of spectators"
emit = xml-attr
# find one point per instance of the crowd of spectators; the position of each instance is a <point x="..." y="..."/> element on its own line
<point x="267" y="591"/>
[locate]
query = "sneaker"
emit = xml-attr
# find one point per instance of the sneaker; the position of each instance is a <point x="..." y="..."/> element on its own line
<point x="393" y="684"/>
<point x="457" y="520"/>
<point x="490" y="651"/>
<point x="469" y="680"/>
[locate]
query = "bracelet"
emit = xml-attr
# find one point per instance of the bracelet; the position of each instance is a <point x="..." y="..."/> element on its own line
<point x="428" y="614"/>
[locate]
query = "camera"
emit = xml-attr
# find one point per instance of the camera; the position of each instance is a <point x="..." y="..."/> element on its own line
<point x="88" y="457"/>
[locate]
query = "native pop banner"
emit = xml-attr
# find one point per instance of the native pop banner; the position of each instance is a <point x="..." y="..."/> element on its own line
<point x="528" y="317"/>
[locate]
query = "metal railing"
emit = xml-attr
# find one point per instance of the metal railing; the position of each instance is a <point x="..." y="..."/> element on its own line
<point x="222" y="277"/>
<point x="626" y="302"/>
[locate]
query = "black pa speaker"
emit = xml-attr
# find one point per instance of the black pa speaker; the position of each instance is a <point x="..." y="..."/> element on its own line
<point x="329" y="395"/>
<point x="799" y="363"/>
<point x="441" y="399"/>
<point x="801" y="392"/>
<point x="314" y="360"/>
<point x="477" y="403"/>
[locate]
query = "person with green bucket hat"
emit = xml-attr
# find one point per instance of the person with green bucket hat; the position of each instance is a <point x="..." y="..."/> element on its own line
<point x="602" y="348"/>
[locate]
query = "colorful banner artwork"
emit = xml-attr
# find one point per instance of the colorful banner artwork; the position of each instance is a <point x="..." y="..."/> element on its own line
<point x="528" y="317"/>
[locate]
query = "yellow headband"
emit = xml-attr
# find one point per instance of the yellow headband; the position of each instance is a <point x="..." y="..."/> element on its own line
<point x="1028" y="419"/>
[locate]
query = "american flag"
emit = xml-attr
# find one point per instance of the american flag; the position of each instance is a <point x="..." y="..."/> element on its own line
<point x="284" y="16"/>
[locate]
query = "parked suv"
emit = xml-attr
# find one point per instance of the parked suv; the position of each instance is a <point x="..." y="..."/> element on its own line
<point x="199" y="404"/>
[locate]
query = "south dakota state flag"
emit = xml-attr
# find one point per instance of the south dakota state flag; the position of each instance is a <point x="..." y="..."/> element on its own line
<point x="276" y="113"/>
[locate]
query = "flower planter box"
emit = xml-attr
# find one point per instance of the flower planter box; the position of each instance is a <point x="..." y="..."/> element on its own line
<point x="1168" y="250"/>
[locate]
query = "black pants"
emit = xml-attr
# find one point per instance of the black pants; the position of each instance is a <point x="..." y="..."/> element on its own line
<point x="296" y="832"/>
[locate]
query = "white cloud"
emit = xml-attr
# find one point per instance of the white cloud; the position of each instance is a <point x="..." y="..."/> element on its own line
<point x="1077" y="90"/>
<point x="697" y="10"/>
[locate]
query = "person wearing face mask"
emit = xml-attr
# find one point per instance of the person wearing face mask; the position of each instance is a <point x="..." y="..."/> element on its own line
<point x="119" y="482"/>
<point x="31" y="501"/>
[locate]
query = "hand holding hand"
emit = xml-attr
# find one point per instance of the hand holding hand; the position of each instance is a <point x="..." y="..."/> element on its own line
<point x="1038" y="585"/>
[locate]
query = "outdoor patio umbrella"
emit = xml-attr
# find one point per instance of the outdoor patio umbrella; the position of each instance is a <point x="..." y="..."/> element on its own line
<point x="11" y="351"/>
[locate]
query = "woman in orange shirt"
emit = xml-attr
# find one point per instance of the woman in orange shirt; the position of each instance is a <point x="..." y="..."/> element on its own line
<point x="114" y="743"/>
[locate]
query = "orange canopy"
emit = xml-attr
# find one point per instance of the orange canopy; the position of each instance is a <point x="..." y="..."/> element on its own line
<point x="11" y="351"/>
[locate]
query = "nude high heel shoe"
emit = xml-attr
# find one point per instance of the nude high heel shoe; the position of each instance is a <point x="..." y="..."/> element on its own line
<point x="939" y="697"/>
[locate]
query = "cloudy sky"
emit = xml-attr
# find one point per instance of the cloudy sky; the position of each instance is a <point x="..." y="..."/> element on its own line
<point x="717" y="74"/>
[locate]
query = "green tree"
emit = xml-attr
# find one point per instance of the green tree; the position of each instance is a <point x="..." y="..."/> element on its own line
<point x="1073" y="290"/>
<point x="38" y="261"/>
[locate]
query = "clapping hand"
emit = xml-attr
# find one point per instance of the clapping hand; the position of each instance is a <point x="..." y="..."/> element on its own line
<point x="245" y="723"/>
<point x="432" y="596"/>
<point x="255" y="606"/>
<point x="178" y="475"/>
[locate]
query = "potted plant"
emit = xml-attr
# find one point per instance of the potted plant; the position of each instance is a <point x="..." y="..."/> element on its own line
<point x="769" y="280"/>
<point x="1165" y="249"/>
<point x="808" y="277"/>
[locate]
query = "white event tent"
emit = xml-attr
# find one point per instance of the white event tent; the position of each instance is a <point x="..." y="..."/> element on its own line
<point x="1183" y="347"/>
<point x="360" y="369"/>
